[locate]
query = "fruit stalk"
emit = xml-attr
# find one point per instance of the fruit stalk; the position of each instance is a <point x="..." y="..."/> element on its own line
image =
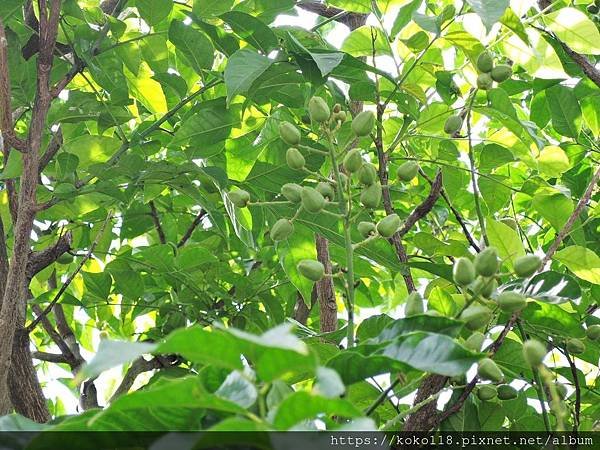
<point x="344" y="204"/>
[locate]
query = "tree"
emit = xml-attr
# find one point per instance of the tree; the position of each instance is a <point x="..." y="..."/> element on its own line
<point x="218" y="204"/>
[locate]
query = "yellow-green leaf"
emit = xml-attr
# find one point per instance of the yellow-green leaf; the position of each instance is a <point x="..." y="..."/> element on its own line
<point x="583" y="262"/>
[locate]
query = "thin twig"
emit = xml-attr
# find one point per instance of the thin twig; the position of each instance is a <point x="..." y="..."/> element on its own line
<point x="156" y="220"/>
<point x="188" y="233"/>
<point x="71" y="277"/>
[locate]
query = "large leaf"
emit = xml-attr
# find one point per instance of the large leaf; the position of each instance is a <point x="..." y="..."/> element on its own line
<point x="565" y="110"/>
<point x="505" y="239"/>
<point x="583" y="262"/>
<point x="243" y="68"/>
<point x="193" y="44"/>
<point x="575" y="29"/>
<point x="490" y="11"/>
<point x="553" y="287"/>
<point x="211" y="123"/>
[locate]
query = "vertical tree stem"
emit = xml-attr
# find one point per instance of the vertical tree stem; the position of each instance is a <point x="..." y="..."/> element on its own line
<point x="345" y="211"/>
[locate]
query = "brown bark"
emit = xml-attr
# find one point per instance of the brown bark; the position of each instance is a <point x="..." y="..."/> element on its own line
<point x="325" y="289"/>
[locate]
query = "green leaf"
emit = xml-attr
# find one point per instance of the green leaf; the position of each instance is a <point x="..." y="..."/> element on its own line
<point x="553" y="287"/>
<point x="211" y="8"/>
<point x="506" y="240"/>
<point x="238" y="389"/>
<point x="583" y="262"/>
<point x="490" y="11"/>
<point x="92" y="149"/>
<point x="193" y="44"/>
<point x="554" y="206"/>
<point x="154" y="11"/>
<point x="15" y="422"/>
<point x="97" y="284"/>
<point x="421" y="322"/>
<point x="243" y="69"/>
<point x="252" y="30"/>
<point x="114" y="353"/>
<point x="575" y="29"/>
<point x="360" y="42"/>
<point x="553" y="319"/>
<point x="404" y="16"/>
<point x="211" y="123"/>
<point x="302" y="406"/>
<point x="13" y="167"/>
<point x="553" y="161"/>
<point x="329" y="384"/>
<point x="565" y="110"/>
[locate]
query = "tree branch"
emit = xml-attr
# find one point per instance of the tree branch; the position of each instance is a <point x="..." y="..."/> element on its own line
<point x="56" y="358"/>
<point x="138" y="367"/>
<point x="188" y="233"/>
<point x="53" y="147"/>
<point x="425" y="207"/>
<point x="156" y="220"/>
<point x="38" y="261"/>
<point x="350" y="19"/>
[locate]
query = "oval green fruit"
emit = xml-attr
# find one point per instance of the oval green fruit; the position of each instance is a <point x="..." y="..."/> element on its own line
<point x="501" y="72"/>
<point x="282" y="230"/>
<point x="318" y="109"/>
<point x="593" y="332"/>
<point x="289" y="133"/>
<point x="239" y="198"/>
<point x="486" y="392"/>
<point x="407" y="171"/>
<point x="341" y="116"/>
<point x="488" y="370"/>
<point x="534" y="352"/>
<point x="453" y="124"/>
<point x="326" y="190"/>
<point x="65" y="258"/>
<point x="387" y="226"/>
<point x="527" y="265"/>
<point x="367" y="174"/>
<point x="463" y="271"/>
<point x="484" y="81"/>
<point x="370" y="197"/>
<point x="312" y="200"/>
<point x="353" y="160"/>
<point x="475" y="341"/>
<point x="484" y="286"/>
<point x="366" y="229"/>
<point x="363" y="123"/>
<point x="311" y="269"/>
<point x="511" y="301"/>
<point x="507" y="392"/>
<point x="414" y="304"/>
<point x="337" y="108"/>
<point x="295" y="160"/>
<point x="575" y="346"/>
<point x="292" y="192"/>
<point x="476" y="316"/>
<point x="486" y="262"/>
<point x="485" y="62"/>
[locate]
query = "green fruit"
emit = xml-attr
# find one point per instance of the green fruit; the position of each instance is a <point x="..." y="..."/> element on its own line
<point x="326" y="190"/>
<point x="344" y="180"/>
<point x="534" y="352"/>
<point x="484" y="286"/>
<point x="311" y="269"/>
<point x="414" y="304"/>
<point x="312" y="200"/>
<point x="527" y="265"/>
<point x="387" y="226"/>
<point x="65" y="258"/>
<point x="511" y="301"/>
<point x="593" y="332"/>
<point x="281" y="230"/>
<point x="575" y="346"/>
<point x="366" y="229"/>
<point x="341" y="116"/>
<point x="318" y="110"/>
<point x="476" y="316"/>
<point x="353" y="160"/>
<point x="289" y="133"/>
<point x="371" y="196"/>
<point x="507" y="392"/>
<point x="367" y="174"/>
<point x="485" y="63"/>
<point x="501" y="72"/>
<point x="407" y="171"/>
<point x="453" y="124"/>
<point x="239" y="198"/>
<point x="337" y="108"/>
<point x="486" y="262"/>
<point x="486" y="392"/>
<point x="488" y="370"/>
<point x="292" y="192"/>
<point x="463" y="271"/>
<point x="363" y="123"/>
<point x="484" y="81"/>
<point x="475" y="341"/>
<point x="294" y="158"/>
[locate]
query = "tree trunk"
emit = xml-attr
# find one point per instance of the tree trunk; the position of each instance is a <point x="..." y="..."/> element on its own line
<point x="25" y="391"/>
<point x="325" y="289"/>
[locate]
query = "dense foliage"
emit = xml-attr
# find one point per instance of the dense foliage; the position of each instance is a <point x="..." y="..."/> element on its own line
<point x="212" y="219"/>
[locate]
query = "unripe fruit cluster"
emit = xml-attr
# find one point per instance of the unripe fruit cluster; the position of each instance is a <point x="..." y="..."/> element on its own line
<point x="490" y="73"/>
